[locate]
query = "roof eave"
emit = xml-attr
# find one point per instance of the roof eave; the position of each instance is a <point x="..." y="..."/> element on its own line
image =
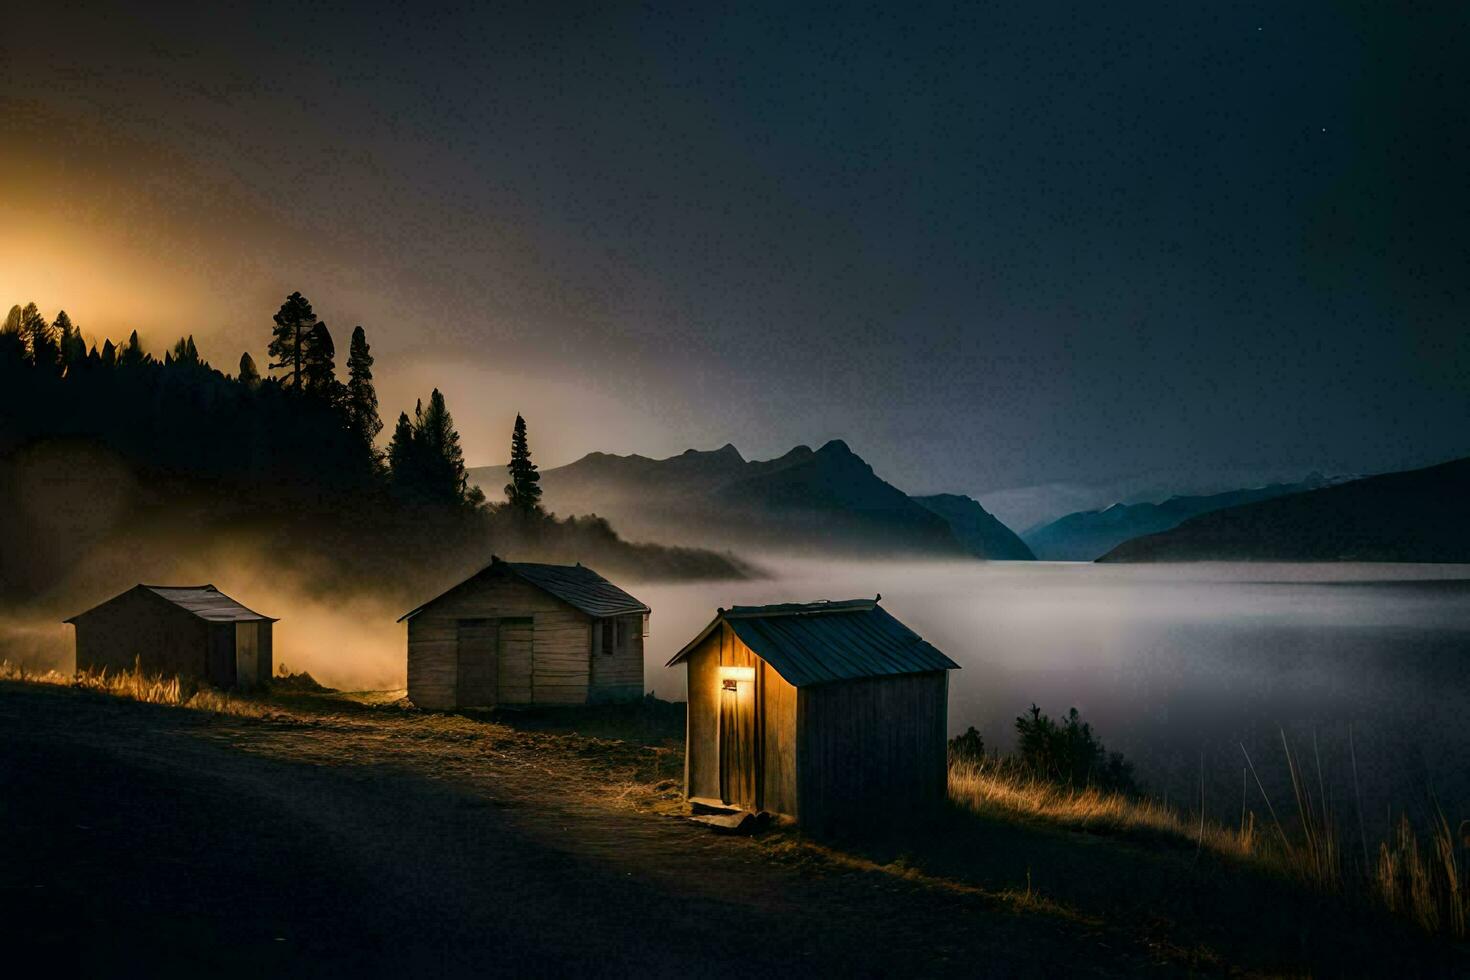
<point x="703" y="635"/>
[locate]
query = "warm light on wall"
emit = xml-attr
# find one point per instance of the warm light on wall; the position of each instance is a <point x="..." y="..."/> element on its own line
<point x="737" y="673"/>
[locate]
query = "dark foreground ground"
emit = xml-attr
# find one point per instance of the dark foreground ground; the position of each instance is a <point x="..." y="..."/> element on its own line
<point x="363" y="841"/>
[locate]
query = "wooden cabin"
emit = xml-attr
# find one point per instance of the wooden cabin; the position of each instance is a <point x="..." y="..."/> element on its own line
<point x="193" y="631"/>
<point x="523" y="633"/>
<point x="831" y="713"/>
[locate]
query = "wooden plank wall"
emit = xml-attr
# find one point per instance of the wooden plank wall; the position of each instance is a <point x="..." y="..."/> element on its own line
<point x="776" y="723"/>
<point x="554" y="671"/>
<point x="778" y="728"/>
<point x="561" y="643"/>
<point x="701" y="740"/>
<point x="267" y="652"/>
<point x="222" y="654"/>
<point x="871" y="749"/>
<point x="618" y="676"/>
<point x="144" y="628"/>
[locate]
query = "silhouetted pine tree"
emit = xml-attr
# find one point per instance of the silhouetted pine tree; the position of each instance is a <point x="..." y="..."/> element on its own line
<point x="443" y="474"/>
<point x="12" y="343"/>
<point x="290" y="338"/>
<point x="249" y="376"/>
<point x="40" y="338"/>
<point x="403" y="463"/>
<point x="523" y="492"/>
<point x="109" y="354"/>
<point x="362" y="398"/>
<point x="185" y="352"/>
<point x="319" y="364"/>
<point x="132" y="355"/>
<point x="71" y="347"/>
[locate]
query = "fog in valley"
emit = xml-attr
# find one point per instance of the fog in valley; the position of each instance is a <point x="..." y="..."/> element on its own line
<point x="1176" y="666"/>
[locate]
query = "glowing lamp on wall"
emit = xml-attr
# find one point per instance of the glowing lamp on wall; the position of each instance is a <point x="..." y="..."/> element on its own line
<point x="730" y="676"/>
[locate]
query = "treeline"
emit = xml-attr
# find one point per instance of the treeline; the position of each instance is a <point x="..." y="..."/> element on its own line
<point x="291" y="455"/>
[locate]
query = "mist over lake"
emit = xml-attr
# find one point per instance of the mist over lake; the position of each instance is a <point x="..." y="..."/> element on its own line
<point x="1177" y="666"/>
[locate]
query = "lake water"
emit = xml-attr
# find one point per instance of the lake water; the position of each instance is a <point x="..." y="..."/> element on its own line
<point x="1183" y="668"/>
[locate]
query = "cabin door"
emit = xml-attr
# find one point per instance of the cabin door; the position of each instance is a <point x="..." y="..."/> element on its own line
<point x="478" y="663"/>
<point x="739" y="758"/>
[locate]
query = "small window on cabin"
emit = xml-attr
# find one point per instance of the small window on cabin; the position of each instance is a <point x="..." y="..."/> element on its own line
<point x="609" y="637"/>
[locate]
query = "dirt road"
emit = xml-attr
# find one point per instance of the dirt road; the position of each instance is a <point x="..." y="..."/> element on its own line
<point x="146" y="839"/>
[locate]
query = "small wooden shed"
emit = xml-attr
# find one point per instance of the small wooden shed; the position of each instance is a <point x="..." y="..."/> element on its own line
<point x="195" y="632"/>
<point x="524" y="633"/>
<point x="831" y="713"/>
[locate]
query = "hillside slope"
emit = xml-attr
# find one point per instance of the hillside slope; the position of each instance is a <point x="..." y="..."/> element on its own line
<point x="827" y="500"/>
<point x="979" y="531"/>
<point x="1087" y="534"/>
<point x="1414" y="516"/>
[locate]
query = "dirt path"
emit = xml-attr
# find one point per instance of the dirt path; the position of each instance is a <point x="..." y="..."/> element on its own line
<point x="178" y="842"/>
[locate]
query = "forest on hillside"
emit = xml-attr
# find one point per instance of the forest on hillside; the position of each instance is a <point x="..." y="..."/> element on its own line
<point x="111" y="457"/>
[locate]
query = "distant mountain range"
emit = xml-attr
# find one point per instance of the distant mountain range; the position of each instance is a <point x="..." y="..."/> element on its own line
<point x="828" y="500"/>
<point x="1089" y="534"/>
<point x="1415" y="516"/>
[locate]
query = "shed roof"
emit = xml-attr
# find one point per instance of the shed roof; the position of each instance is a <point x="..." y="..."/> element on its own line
<point x="204" y="601"/>
<point x="816" y="642"/>
<point x="576" y="585"/>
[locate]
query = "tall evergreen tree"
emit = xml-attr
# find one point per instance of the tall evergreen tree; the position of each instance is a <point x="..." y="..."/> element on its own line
<point x="40" y="338"/>
<point x="523" y="492"/>
<point x="319" y="363"/>
<point x="362" y="398"/>
<point x="71" y="347"/>
<point x="249" y="376"/>
<point x="12" y="342"/>
<point x="132" y="354"/>
<point x="402" y="463"/>
<point x="109" y="354"/>
<point x="290" y="338"/>
<point x="439" y="458"/>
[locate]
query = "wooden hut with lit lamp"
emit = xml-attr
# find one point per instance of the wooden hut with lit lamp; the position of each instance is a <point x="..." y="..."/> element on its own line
<point x="829" y="713"/>
<point x="193" y="632"/>
<point x="522" y="633"/>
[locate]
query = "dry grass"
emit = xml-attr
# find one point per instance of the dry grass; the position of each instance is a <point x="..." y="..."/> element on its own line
<point x="1422" y="879"/>
<point x="996" y="786"/>
<point x="135" y="685"/>
<point x="1420" y="875"/>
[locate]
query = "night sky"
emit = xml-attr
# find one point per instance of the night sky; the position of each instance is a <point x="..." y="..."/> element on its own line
<point x="989" y="248"/>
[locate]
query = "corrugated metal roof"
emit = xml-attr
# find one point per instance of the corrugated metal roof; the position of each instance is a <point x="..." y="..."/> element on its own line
<point x="579" y="586"/>
<point x="576" y="585"/>
<point x="207" y="602"/>
<point x="818" y="642"/>
<point x="204" y="601"/>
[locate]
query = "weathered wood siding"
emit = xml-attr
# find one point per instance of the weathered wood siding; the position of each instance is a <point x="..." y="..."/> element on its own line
<point x="775" y="756"/>
<point x="256" y="637"/>
<point x="617" y="675"/>
<point x="267" y="652"/>
<point x="702" y="721"/>
<point x="871" y="749"/>
<point x="222" y="654"/>
<point x="778" y="726"/>
<point x="141" y="628"/>
<point x="552" y="668"/>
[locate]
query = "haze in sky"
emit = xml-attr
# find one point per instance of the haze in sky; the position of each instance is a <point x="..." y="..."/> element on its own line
<point x="990" y="247"/>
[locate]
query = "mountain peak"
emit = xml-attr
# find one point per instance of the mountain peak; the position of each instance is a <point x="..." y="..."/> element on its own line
<point x="835" y="447"/>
